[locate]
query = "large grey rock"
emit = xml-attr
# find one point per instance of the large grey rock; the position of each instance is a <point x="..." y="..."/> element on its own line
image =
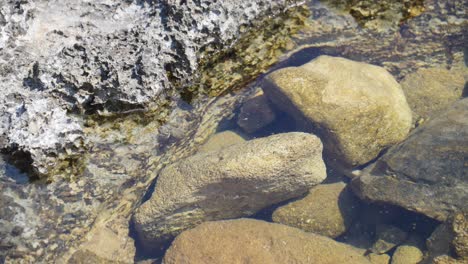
<point x="256" y="242"/>
<point x="428" y="172"/>
<point x="233" y="182"/>
<point x="107" y="57"/>
<point x="357" y="108"/>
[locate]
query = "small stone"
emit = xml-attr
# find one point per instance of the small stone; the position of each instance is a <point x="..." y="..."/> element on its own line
<point x="388" y="237"/>
<point x="255" y="114"/>
<point x="254" y="241"/>
<point x="232" y="182"/>
<point x="327" y="210"/>
<point x="356" y="108"/>
<point x="407" y="254"/>
<point x="221" y="140"/>
<point x="378" y="258"/>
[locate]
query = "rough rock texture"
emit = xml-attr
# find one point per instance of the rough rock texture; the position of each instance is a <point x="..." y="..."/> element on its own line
<point x="460" y="242"/>
<point x="221" y="140"/>
<point x="388" y="237"/>
<point x="427" y="173"/>
<point x="378" y="258"/>
<point x="121" y="165"/>
<point x="431" y="90"/>
<point x="357" y="108"/>
<point x="253" y="241"/>
<point x="233" y="182"/>
<point x="407" y="254"/>
<point x="119" y="57"/>
<point x="327" y="210"/>
<point x="39" y="136"/>
<point x="255" y="114"/>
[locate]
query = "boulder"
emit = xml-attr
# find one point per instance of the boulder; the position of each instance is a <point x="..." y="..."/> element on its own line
<point x="356" y="108"/>
<point x="427" y="173"/>
<point x="255" y="114"/>
<point x="221" y="140"/>
<point x="232" y="182"/>
<point x="430" y="90"/>
<point x="254" y="241"/>
<point x="327" y="210"/>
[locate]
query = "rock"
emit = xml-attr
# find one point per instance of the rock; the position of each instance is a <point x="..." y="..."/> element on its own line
<point x="431" y="90"/>
<point x="254" y="241"/>
<point x="460" y="242"/>
<point x="107" y="59"/>
<point x="378" y="258"/>
<point x="427" y="173"/>
<point x="235" y="181"/>
<point x="357" y="108"/>
<point x="446" y="260"/>
<point x="407" y="254"/>
<point x="40" y="138"/>
<point x="221" y="140"/>
<point x="255" y="114"/>
<point x="107" y="246"/>
<point x="388" y="237"/>
<point x="327" y="210"/>
<point x="88" y="257"/>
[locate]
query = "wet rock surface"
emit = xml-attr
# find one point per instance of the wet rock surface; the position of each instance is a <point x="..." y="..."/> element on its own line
<point x="255" y="114"/>
<point x="328" y="210"/>
<point x="235" y="181"/>
<point x="48" y="223"/>
<point x="430" y="90"/>
<point x="358" y="109"/>
<point x="221" y="140"/>
<point x="426" y="173"/>
<point x="253" y="241"/>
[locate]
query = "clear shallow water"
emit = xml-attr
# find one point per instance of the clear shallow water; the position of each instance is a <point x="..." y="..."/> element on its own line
<point x="116" y="165"/>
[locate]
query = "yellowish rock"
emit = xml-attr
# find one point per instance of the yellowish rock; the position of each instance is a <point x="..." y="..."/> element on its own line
<point x="327" y="210"/>
<point x="221" y="140"/>
<point x="378" y="258"/>
<point x="356" y="108"/>
<point x="257" y="242"/>
<point x="433" y="89"/>
<point x="407" y="254"/>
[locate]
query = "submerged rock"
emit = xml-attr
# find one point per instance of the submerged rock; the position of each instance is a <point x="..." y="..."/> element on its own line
<point x="221" y="140"/>
<point x="254" y="241"/>
<point x="431" y="90"/>
<point x="255" y="114"/>
<point x="375" y="258"/>
<point x="235" y="181"/>
<point x="427" y="173"/>
<point x="357" y="108"/>
<point x="407" y="254"/>
<point x="388" y="237"/>
<point x="327" y="210"/>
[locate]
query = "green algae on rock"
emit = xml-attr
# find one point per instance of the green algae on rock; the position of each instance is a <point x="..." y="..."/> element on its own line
<point x="258" y="49"/>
